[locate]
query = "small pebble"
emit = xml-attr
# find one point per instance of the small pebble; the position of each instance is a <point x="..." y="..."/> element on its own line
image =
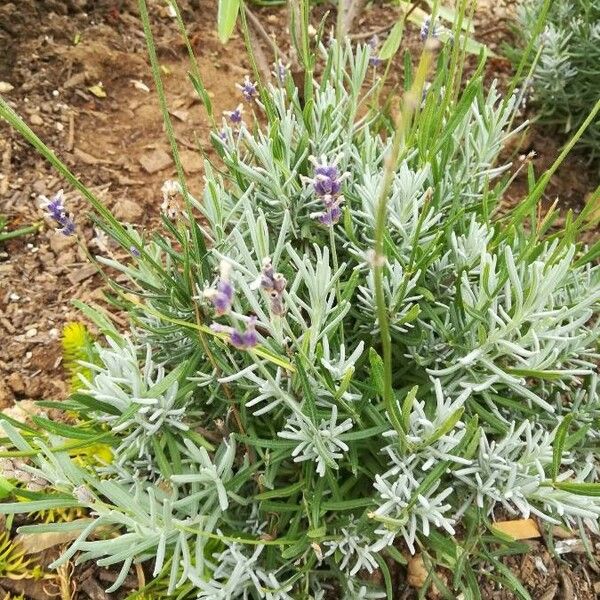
<point x="31" y="332"/>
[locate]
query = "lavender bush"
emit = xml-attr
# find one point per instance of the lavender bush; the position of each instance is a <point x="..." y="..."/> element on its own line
<point x="565" y="79"/>
<point x="341" y="354"/>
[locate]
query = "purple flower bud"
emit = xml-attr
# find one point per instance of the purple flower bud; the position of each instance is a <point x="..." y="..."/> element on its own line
<point x="426" y="27"/>
<point x="274" y="284"/>
<point x="243" y="340"/>
<point x="280" y="71"/>
<point x="248" y="89"/>
<point x="329" y="171"/>
<point x="326" y="180"/>
<point x="235" y="116"/>
<point x="56" y="207"/>
<point x="332" y="213"/>
<point x="266" y="274"/>
<point x="279" y="282"/>
<point x="327" y="184"/>
<point x="237" y="339"/>
<point x="269" y="280"/>
<point x="68" y="226"/>
<point x="277" y="307"/>
<point x="222" y="296"/>
<point x="373" y="44"/>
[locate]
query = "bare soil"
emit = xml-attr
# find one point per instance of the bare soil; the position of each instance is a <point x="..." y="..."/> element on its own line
<point x="81" y="79"/>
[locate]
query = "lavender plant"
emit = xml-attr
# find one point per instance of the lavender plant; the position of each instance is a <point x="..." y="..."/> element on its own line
<point x="340" y="354"/>
<point x="565" y="79"/>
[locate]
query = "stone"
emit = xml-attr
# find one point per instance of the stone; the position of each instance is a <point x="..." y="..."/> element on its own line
<point x="6" y="397"/>
<point x="128" y="211"/>
<point x="81" y="274"/>
<point x="35" y="119"/>
<point x="39" y="187"/>
<point x="416" y="572"/>
<point x="85" y="158"/>
<point x="16" y="383"/>
<point x="182" y="115"/>
<point x="155" y="161"/>
<point x="191" y="161"/>
<point x="59" y="243"/>
<point x="75" y="80"/>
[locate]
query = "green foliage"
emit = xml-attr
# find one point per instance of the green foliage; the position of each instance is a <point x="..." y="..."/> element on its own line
<point x="565" y="79"/>
<point x="227" y="17"/>
<point x="341" y="352"/>
<point x="6" y="235"/>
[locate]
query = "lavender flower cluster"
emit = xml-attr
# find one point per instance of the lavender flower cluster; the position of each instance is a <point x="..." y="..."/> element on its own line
<point x="222" y="297"/>
<point x="56" y="210"/>
<point x="274" y="285"/>
<point x="327" y="185"/>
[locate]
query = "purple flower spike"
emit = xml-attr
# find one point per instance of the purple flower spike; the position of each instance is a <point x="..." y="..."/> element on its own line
<point x="248" y="89"/>
<point x="375" y="61"/>
<point x="56" y="210"/>
<point x="327" y="184"/>
<point x="56" y="207"/>
<point x="235" y="116"/>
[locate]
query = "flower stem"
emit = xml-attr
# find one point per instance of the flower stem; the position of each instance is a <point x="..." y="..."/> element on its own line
<point x="402" y="125"/>
<point x="334" y="259"/>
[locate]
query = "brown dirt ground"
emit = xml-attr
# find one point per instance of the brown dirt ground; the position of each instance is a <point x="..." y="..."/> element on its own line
<point x="52" y="52"/>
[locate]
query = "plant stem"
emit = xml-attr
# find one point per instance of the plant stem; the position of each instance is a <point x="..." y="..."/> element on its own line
<point x="334" y="259"/>
<point x="9" y="235"/>
<point x="199" y="244"/>
<point x="402" y="125"/>
<point x="248" y="42"/>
